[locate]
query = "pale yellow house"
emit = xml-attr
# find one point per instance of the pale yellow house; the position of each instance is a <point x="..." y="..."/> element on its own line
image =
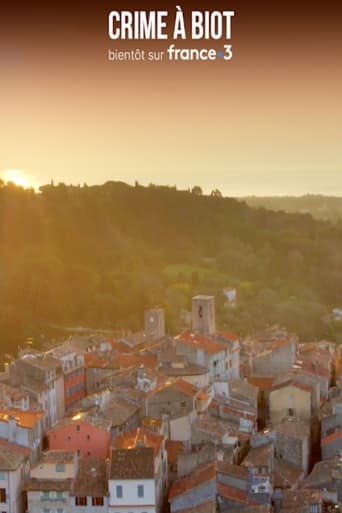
<point x="290" y="399"/>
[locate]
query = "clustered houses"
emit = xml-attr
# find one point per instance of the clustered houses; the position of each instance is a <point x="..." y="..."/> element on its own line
<point x="202" y="422"/>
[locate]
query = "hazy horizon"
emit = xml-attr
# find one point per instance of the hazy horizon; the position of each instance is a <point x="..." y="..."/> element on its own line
<point x="207" y="189"/>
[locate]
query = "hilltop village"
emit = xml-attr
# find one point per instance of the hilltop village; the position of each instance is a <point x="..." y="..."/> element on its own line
<point x="203" y="422"/>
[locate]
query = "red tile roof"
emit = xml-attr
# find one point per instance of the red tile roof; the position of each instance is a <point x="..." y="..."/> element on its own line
<point x="138" y="437"/>
<point x="234" y="494"/>
<point x="239" y="413"/>
<point x="185" y="387"/>
<point x="331" y="438"/>
<point x="286" y="475"/>
<point x="118" y="360"/>
<point x="232" y="470"/>
<point x="206" y="507"/>
<point x="25" y="451"/>
<point x="319" y="370"/>
<point x="200" y="476"/>
<point x="25" y="419"/>
<point x="207" y="344"/>
<point x="293" y="383"/>
<point x="120" y="346"/>
<point x="228" y="335"/>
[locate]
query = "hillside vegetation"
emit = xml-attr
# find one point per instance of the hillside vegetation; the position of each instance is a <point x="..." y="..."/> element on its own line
<point x="97" y="256"/>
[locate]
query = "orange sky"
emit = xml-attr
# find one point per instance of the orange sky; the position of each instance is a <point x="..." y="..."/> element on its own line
<point x="267" y="122"/>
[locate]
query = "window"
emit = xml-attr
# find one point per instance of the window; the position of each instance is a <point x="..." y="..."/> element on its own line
<point x="81" y="501"/>
<point x="314" y="508"/>
<point x="60" y="467"/>
<point x="59" y="495"/>
<point x="59" y="510"/>
<point x="3" y="496"/>
<point x="88" y="437"/>
<point x="2" y="476"/>
<point x="46" y="510"/>
<point x="291" y="412"/>
<point x="44" y="496"/>
<point x="78" y="427"/>
<point x="140" y="490"/>
<point x="97" y="501"/>
<point x="119" y="492"/>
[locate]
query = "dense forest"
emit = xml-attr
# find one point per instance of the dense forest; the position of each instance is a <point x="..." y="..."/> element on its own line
<point x="97" y="256"/>
<point x="320" y="207"/>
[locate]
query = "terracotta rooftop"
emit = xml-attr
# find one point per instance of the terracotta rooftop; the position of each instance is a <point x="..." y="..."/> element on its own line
<point x="302" y="497"/>
<point x="117" y="360"/>
<point x="293" y="383"/>
<point x="207" y="344"/>
<point x="58" y="456"/>
<point x="186" y="387"/>
<point x="321" y="475"/>
<point x="240" y="389"/>
<point x="231" y="337"/>
<point x="234" y="494"/>
<point x="120" y="346"/>
<point x="97" y="421"/>
<point x="241" y="407"/>
<point x="200" y="476"/>
<point x="207" y="507"/>
<point x="177" y="384"/>
<point x="188" y="370"/>
<point x="331" y="438"/>
<point x="285" y="475"/>
<point x="232" y="470"/>
<point x="25" y="419"/>
<point x="293" y="427"/>
<point x="91" y="478"/>
<point x="55" y="485"/>
<point x="10" y="459"/>
<point x="138" y="437"/>
<point x="135" y="463"/>
<point x="261" y="508"/>
<point x="214" y="426"/>
<point x="258" y="456"/>
<point x="118" y="411"/>
<point x="5" y="445"/>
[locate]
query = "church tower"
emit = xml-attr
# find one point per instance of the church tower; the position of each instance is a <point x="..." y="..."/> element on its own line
<point x="203" y="315"/>
<point x="154" y="323"/>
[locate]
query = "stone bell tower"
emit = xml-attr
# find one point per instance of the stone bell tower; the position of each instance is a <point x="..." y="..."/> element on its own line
<point x="155" y="323"/>
<point x="203" y="315"/>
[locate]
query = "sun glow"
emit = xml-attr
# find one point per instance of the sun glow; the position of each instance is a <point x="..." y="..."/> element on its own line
<point x="19" y="178"/>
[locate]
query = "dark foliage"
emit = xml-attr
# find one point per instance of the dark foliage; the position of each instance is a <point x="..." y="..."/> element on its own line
<point x="97" y="256"/>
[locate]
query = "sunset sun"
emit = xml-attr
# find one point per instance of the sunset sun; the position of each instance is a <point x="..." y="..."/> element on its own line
<point x="18" y="177"/>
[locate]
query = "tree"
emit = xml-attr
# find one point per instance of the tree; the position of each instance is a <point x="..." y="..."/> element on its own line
<point x="216" y="193"/>
<point x="197" y="190"/>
